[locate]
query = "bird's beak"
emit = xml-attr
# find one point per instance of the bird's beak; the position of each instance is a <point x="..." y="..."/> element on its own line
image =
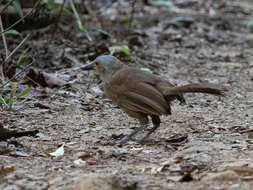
<point x="90" y="66"/>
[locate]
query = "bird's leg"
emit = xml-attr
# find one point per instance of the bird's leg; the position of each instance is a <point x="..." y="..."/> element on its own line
<point x="131" y="135"/>
<point x="143" y="119"/>
<point x="156" y="123"/>
<point x="180" y="97"/>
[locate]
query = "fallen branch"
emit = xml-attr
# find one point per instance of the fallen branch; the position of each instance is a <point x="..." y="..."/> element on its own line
<point x="6" y="134"/>
<point x="16" y="75"/>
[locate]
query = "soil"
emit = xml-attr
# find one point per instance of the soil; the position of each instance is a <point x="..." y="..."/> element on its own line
<point x="205" y="144"/>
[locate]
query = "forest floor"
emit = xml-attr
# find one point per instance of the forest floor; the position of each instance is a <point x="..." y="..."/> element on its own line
<point x="205" y="144"/>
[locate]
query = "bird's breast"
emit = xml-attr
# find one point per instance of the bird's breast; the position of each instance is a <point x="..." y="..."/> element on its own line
<point x="110" y="93"/>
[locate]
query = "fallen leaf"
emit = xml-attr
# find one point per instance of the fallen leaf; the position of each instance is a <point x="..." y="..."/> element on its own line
<point x="36" y="77"/>
<point x="88" y="158"/>
<point x="58" y="152"/>
<point x="79" y="162"/>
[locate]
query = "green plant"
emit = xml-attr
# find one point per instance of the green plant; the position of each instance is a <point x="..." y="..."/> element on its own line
<point x="13" y="32"/>
<point x="118" y="49"/>
<point x="11" y="96"/>
<point x="18" y="7"/>
<point x="22" y="58"/>
<point x="126" y="50"/>
<point x="50" y="3"/>
<point x="131" y="22"/>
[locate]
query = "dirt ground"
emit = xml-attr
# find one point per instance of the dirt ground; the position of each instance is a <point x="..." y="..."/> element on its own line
<point x="206" y="144"/>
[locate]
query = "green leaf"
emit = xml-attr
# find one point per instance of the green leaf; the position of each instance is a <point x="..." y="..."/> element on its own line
<point x="128" y="19"/>
<point x="92" y="13"/>
<point x="13" y="32"/>
<point x="24" y="92"/>
<point x="17" y="6"/>
<point x="6" y="99"/>
<point x="22" y="57"/>
<point x="105" y="33"/>
<point x="78" y="20"/>
<point x="65" y="10"/>
<point x="125" y="50"/>
<point x="6" y="88"/>
<point x="162" y="3"/>
<point x="50" y="3"/>
<point x="2" y="100"/>
<point x="10" y="102"/>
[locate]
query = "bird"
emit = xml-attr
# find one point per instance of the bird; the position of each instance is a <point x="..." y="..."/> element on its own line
<point x="142" y="94"/>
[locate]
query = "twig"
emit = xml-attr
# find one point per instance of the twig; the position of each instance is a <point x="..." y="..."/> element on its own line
<point x="18" y="21"/>
<point x="132" y="12"/>
<point x="19" y="45"/>
<point x="16" y="75"/>
<point x="6" y="50"/>
<point x="88" y="36"/>
<point x="4" y="39"/>
<point x="57" y="19"/>
<point x="34" y="82"/>
<point x="1" y="70"/>
<point x="5" y="7"/>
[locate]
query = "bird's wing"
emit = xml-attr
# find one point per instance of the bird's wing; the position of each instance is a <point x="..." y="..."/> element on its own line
<point x="136" y="94"/>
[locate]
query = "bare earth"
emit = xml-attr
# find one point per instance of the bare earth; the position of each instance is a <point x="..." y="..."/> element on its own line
<point x="206" y="144"/>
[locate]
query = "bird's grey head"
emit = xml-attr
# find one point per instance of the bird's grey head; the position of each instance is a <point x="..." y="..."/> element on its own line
<point x="106" y="66"/>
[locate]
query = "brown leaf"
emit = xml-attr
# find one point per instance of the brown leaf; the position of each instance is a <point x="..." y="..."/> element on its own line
<point x="44" y="79"/>
<point x="90" y="160"/>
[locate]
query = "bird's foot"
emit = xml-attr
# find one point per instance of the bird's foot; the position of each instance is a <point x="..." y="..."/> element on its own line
<point x="132" y="135"/>
<point x="150" y="131"/>
<point x="123" y="140"/>
<point x="141" y="140"/>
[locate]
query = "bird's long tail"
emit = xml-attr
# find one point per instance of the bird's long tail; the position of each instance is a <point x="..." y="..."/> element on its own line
<point x="208" y="88"/>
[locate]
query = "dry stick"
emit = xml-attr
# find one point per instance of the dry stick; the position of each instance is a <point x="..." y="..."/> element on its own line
<point x="6" y="50"/>
<point x="6" y="6"/>
<point x="19" y="45"/>
<point x="132" y="12"/>
<point x="58" y="18"/>
<point x="4" y="39"/>
<point x="16" y="75"/>
<point x="34" y="82"/>
<point x="18" y="21"/>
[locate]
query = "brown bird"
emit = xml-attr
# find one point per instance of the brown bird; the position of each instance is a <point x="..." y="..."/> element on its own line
<point x="141" y="94"/>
